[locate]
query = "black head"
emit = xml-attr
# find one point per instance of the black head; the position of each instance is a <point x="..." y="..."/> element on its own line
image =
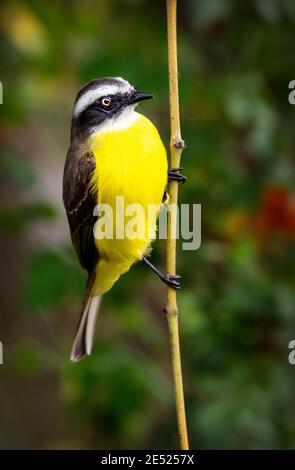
<point x="103" y="101"/>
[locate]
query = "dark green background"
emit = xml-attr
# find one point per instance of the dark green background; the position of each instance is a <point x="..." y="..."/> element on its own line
<point x="236" y="60"/>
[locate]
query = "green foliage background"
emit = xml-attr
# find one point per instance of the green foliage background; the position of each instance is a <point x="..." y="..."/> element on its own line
<point x="236" y="60"/>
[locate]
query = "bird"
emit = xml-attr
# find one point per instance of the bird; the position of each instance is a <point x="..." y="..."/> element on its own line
<point x="114" y="151"/>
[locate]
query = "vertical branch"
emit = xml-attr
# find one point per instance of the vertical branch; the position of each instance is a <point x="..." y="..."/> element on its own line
<point x="176" y="147"/>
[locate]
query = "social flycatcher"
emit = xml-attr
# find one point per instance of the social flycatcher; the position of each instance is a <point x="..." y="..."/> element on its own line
<point x="114" y="151"/>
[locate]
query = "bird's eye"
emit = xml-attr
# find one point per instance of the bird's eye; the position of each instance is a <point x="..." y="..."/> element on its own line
<point x="106" y="102"/>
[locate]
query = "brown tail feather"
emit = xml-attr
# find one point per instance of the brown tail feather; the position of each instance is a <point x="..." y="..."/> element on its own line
<point x="85" y="330"/>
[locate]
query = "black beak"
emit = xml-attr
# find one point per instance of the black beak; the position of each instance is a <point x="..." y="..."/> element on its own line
<point x="138" y="96"/>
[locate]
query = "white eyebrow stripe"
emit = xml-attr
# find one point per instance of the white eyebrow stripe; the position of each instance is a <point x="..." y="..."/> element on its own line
<point x="92" y="95"/>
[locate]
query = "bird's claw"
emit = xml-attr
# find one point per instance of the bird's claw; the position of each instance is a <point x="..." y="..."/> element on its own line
<point x="172" y="281"/>
<point x="174" y="175"/>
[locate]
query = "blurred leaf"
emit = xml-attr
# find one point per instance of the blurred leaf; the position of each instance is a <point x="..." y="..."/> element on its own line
<point x="29" y="359"/>
<point x="14" y="167"/>
<point x="52" y="277"/>
<point x="15" y="219"/>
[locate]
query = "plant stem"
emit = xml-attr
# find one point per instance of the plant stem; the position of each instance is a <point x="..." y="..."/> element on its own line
<point x="176" y="147"/>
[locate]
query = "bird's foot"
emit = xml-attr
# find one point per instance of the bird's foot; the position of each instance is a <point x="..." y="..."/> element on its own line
<point x="174" y="175"/>
<point x="172" y="280"/>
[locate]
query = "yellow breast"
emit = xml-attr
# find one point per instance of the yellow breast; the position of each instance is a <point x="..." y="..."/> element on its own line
<point x="132" y="163"/>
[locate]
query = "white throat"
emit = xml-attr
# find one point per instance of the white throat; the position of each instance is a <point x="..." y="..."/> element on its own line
<point x="124" y="120"/>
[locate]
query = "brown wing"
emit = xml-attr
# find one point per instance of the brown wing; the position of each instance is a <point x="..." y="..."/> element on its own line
<point x="79" y="202"/>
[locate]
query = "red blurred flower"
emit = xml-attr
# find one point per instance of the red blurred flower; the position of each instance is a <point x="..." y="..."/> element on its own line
<point x="276" y="214"/>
